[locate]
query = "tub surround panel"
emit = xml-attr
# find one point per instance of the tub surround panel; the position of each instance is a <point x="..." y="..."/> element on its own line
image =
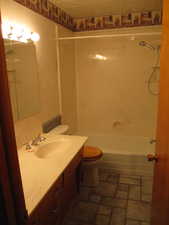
<point x="117" y="101"/>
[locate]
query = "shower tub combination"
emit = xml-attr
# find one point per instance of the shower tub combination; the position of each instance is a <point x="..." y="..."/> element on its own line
<point x="117" y="75"/>
<point x="126" y="154"/>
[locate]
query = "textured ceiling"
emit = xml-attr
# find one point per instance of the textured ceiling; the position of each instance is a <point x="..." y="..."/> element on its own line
<point x="87" y="8"/>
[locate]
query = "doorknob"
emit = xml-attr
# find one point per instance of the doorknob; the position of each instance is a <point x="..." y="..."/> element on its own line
<point x="152" y="157"/>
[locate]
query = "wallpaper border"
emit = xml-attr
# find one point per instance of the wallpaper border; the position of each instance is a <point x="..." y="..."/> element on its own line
<point x="132" y="19"/>
<point x="50" y="11"/>
<point x="57" y="15"/>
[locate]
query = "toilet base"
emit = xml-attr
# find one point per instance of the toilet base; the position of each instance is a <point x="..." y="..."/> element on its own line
<point x="90" y="175"/>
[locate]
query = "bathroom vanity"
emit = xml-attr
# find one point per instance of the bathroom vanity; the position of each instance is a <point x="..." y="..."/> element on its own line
<point x="52" y="208"/>
<point x="51" y="181"/>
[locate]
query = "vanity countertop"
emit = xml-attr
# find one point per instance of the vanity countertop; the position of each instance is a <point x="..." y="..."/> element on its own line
<point x="39" y="174"/>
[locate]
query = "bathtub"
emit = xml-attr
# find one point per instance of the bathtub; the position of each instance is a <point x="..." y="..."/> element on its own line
<point x="122" y="144"/>
<point x="124" y="153"/>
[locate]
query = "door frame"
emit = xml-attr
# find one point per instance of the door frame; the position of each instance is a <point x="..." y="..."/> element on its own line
<point x="10" y="179"/>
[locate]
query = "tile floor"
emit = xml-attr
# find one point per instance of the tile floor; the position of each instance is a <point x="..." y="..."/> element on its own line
<point x="118" y="200"/>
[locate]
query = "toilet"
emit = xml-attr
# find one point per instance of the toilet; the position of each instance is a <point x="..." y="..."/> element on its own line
<point x="91" y="156"/>
<point x="60" y="130"/>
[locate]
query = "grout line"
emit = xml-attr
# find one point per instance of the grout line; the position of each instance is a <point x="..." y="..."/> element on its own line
<point x="127" y="204"/>
<point x="111" y="215"/>
<point x="141" y="188"/>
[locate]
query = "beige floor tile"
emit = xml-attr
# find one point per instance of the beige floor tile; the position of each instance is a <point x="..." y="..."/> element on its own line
<point x="84" y="211"/>
<point x="146" y="197"/>
<point x="118" y="216"/>
<point x="134" y="192"/>
<point x="122" y="194"/>
<point x="113" y="202"/>
<point x="130" y="180"/>
<point x="104" y="210"/>
<point x="132" y="222"/>
<point x="147" y="186"/>
<point x="106" y="189"/>
<point x="138" y="211"/>
<point x="145" y="223"/>
<point x="102" y="220"/>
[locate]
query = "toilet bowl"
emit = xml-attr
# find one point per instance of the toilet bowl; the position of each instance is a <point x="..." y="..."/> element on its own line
<point x="91" y="155"/>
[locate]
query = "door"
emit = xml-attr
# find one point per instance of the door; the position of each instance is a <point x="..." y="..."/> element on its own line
<point x="10" y="179"/>
<point x="160" y="209"/>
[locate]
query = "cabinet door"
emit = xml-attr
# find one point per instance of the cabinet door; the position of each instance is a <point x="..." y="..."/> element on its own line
<point x="71" y="179"/>
<point x="48" y="210"/>
<point x="53" y="216"/>
<point x="53" y="207"/>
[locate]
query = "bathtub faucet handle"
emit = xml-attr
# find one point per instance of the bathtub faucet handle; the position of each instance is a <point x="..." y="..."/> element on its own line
<point x="151" y="157"/>
<point x="152" y="141"/>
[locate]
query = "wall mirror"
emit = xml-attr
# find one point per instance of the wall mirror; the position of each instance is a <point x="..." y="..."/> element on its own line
<point x="23" y="78"/>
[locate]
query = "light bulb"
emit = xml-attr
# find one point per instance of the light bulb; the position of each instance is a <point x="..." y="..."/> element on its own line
<point x="6" y="29"/>
<point x="13" y="37"/>
<point x="35" y="37"/>
<point x="5" y="36"/>
<point x="27" y="34"/>
<point x="17" y="30"/>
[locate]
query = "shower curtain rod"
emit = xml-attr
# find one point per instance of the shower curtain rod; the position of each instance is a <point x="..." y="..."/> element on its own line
<point x="109" y="35"/>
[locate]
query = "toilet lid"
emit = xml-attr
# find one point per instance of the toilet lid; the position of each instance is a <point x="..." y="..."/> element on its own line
<point x="91" y="153"/>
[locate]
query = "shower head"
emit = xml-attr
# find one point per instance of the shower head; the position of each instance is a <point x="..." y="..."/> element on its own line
<point x="146" y="44"/>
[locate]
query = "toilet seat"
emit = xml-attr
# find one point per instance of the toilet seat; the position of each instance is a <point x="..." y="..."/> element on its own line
<point x="91" y="153"/>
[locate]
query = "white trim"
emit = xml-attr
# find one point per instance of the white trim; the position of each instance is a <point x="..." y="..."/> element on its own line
<point x="59" y="73"/>
<point x="111" y="35"/>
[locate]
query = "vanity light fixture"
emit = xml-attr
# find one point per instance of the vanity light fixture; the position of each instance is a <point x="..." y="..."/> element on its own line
<point x="16" y="32"/>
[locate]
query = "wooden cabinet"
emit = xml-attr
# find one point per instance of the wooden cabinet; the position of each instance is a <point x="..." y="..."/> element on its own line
<point x="53" y="207"/>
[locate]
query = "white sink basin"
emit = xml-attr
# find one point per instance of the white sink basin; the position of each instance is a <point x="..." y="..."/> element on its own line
<point x="51" y="149"/>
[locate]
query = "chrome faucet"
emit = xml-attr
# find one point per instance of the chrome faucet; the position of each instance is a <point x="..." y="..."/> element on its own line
<point x="28" y="146"/>
<point x="38" y="139"/>
<point x="41" y="138"/>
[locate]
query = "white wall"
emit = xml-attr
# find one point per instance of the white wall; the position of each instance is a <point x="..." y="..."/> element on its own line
<point x="107" y="91"/>
<point x="115" y="90"/>
<point x="47" y="65"/>
<point x="68" y="79"/>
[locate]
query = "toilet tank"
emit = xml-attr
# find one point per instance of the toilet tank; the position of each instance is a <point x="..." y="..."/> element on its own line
<point x="60" y="130"/>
